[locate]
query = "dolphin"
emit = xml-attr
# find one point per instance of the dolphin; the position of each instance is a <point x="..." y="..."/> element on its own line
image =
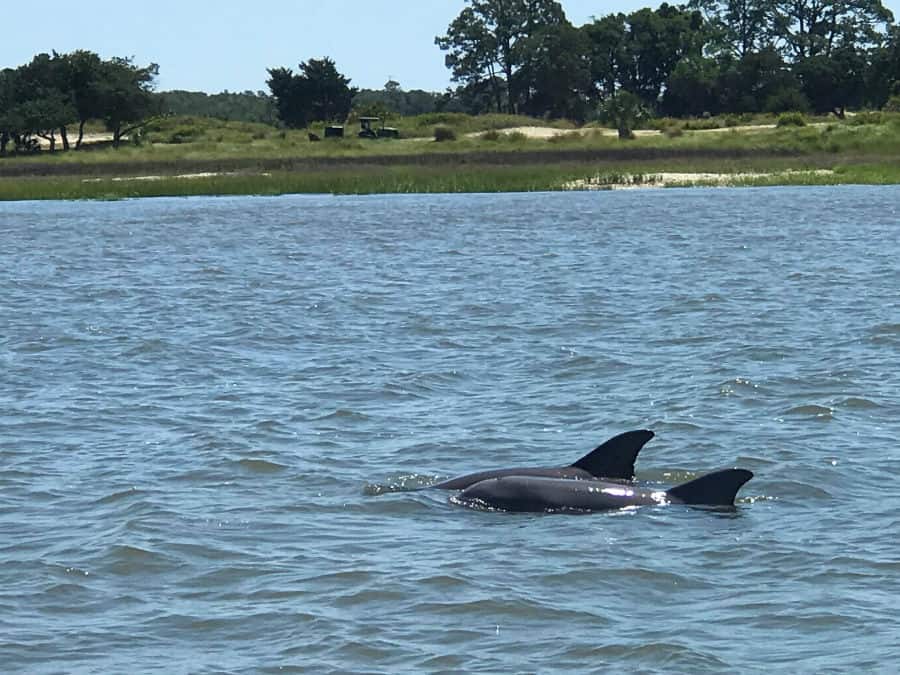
<point x="538" y="493"/>
<point x="613" y="459"/>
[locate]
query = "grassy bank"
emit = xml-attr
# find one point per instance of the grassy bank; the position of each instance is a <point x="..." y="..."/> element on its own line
<point x="255" y="159"/>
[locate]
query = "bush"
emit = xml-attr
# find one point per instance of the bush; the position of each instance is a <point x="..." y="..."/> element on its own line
<point x="893" y="104"/>
<point x="786" y="101"/>
<point x="444" y="133"/>
<point x="732" y="121"/>
<point x="865" y="118"/>
<point x="623" y="111"/>
<point x="184" y="134"/>
<point x="673" y="131"/>
<point x="490" y="135"/>
<point x="565" y="137"/>
<point x="791" y="119"/>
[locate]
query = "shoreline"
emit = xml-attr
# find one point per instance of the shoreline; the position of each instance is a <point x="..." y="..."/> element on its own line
<point x="515" y="159"/>
<point x="408" y="180"/>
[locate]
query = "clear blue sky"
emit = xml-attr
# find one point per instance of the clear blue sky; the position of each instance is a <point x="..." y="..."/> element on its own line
<point x="228" y="44"/>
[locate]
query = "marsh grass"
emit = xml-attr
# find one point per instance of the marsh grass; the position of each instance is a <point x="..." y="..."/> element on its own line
<point x="489" y="161"/>
<point x="402" y="179"/>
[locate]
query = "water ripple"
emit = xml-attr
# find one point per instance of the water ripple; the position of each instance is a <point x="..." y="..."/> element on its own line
<point x="217" y="415"/>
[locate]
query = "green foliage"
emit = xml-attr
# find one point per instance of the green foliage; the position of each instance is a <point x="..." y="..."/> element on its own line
<point x="317" y="92"/>
<point x="444" y="133"/>
<point x="127" y="96"/>
<point x="791" y="119"/>
<point x="486" y="46"/>
<point x="394" y="99"/>
<point x="43" y="97"/>
<point x="866" y="118"/>
<point x="673" y="131"/>
<point x="244" y="107"/>
<point x="893" y="104"/>
<point x="623" y="111"/>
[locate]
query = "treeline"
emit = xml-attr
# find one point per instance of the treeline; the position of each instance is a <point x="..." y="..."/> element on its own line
<point x="708" y="56"/>
<point x="245" y="106"/>
<point x="43" y="98"/>
<point x="260" y="107"/>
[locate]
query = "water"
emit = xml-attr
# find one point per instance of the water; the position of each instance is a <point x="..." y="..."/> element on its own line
<point x="207" y="406"/>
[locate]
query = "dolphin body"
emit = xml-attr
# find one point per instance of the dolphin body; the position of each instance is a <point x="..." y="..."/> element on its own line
<point x="614" y="459"/>
<point x="537" y="493"/>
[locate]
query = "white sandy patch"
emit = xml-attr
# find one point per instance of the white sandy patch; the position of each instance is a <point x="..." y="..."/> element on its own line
<point x="73" y="137"/>
<point x="678" y="179"/>
<point x="544" y="133"/>
<point x="187" y="176"/>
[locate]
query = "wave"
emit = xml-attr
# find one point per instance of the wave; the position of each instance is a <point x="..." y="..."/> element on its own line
<point x="819" y="412"/>
<point x="260" y="466"/>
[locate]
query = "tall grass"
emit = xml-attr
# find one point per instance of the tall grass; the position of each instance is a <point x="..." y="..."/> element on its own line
<point x="487" y="161"/>
<point x="403" y="179"/>
<point x="437" y="179"/>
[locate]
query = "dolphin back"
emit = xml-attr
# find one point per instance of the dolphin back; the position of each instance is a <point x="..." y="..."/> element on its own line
<point x="718" y="488"/>
<point x="615" y="458"/>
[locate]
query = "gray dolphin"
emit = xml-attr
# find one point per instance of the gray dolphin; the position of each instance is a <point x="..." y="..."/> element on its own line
<point x="613" y="459"/>
<point x="535" y="493"/>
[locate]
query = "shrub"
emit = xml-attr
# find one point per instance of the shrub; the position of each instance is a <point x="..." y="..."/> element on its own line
<point x="565" y="137"/>
<point x="623" y="111"/>
<point x="893" y="104"/>
<point x="732" y="121"/>
<point x="490" y="135"/>
<point x="444" y="133"/>
<point x="865" y="118"/>
<point x="791" y="119"/>
<point x="673" y="131"/>
<point x="184" y="134"/>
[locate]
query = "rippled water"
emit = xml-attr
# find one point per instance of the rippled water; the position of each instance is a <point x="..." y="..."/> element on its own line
<point x="205" y="405"/>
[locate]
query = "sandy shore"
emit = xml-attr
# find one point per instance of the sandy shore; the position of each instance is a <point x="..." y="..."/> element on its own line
<point x="543" y="133"/>
<point x="678" y="179"/>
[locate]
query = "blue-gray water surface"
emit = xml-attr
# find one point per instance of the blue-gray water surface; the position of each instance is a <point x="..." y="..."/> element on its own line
<point x="212" y="412"/>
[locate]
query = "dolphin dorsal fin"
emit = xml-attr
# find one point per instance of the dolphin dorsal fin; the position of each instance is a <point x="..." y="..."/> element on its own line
<point x="615" y="458"/>
<point x="714" y="489"/>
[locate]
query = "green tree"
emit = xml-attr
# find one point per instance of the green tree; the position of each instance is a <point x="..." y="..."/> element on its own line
<point x="85" y="71"/>
<point x="691" y="88"/>
<point x="485" y="44"/>
<point x="758" y="82"/>
<point x="639" y="51"/>
<point x="736" y="27"/>
<point x="330" y="93"/>
<point x="317" y="92"/>
<point x="555" y="78"/>
<point x="126" y="96"/>
<point x="43" y="98"/>
<point x="11" y="123"/>
<point x="289" y="98"/>
<point x="883" y="75"/>
<point x="833" y="83"/>
<point x="624" y="111"/>
<point x="807" y="28"/>
<point x="606" y="37"/>
<point x="654" y="44"/>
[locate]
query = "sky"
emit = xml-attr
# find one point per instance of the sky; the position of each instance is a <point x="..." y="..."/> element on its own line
<point x="229" y="44"/>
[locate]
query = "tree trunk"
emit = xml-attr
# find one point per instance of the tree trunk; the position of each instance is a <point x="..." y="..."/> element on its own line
<point x="64" y="135"/>
<point x="80" y="134"/>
